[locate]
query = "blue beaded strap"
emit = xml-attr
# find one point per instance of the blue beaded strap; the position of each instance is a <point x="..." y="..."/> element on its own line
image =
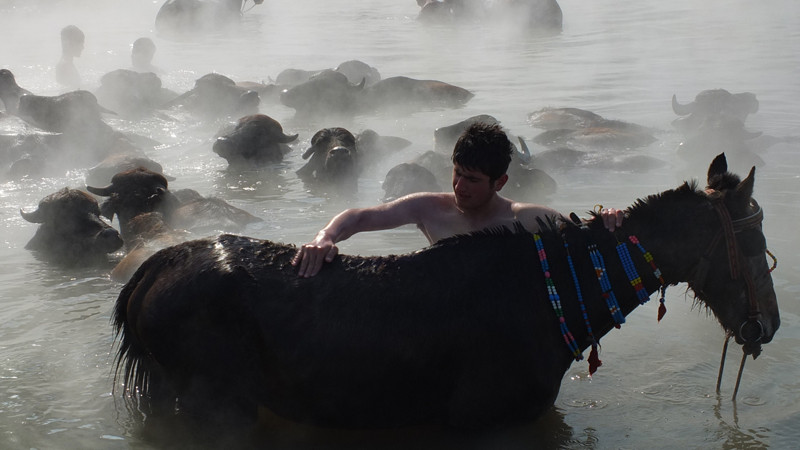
<point x="555" y="300"/>
<point x="578" y="291"/>
<point x="605" y="285"/>
<point x="630" y="271"/>
<point x="594" y="359"/>
<point x="662" y="308"/>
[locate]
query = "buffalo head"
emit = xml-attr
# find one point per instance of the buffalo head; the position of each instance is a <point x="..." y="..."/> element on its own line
<point x="10" y="92"/>
<point x="257" y="139"/>
<point x="71" y="229"/>
<point x="135" y="192"/>
<point x="334" y="159"/>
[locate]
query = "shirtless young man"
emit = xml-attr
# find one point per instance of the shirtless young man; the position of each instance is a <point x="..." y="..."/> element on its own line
<point x="72" y="42"/>
<point x="480" y="160"/>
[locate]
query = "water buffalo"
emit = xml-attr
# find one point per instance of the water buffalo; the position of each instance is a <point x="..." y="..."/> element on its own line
<point x="72" y="112"/>
<point x="334" y="160"/>
<point x="408" y="178"/>
<point x="409" y="94"/>
<point x="198" y="16"/>
<point x="713" y="104"/>
<point x="132" y="94"/>
<point x="83" y="138"/>
<point x="450" y="11"/>
<point x="216" y="96"/>
<point x="578" y="127"/>
<point x="10" y="92"/>
<point x="374" y="148"/>
<point x="71" y="231"/>
<point x="472" y="332"/>
<point x="205" y="215"/>
<point x="134" y="192"/>
<point x="539" y="16"/>
<point x="139" y="191"/>
<point x="255" y="141"/>
<point x="326" y="94"/>
<point x="357" y="71"/>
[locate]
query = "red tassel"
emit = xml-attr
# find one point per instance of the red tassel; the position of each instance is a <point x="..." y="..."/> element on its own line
<point x="662" y="310"/>
<point x="594" y="360"/>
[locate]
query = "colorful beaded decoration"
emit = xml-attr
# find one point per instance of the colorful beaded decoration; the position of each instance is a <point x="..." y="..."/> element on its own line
<point x="555" y="300"/>
<point x="594" y="360"/>
<point x="630" y="271"/>
<point x="662" y="308"/>
<point x="605" y="285"/>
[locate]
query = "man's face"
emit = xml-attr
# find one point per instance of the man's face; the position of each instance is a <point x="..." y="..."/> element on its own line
<point x="472" y="188"/>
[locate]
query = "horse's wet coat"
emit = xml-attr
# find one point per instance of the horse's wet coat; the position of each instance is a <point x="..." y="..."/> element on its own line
<point x="432" y="337"/>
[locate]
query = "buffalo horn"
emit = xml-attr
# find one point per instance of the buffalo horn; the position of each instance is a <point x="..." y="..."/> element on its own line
<point x="681" y="110"/>
<point x="309" y="152"/>
<point x="524" y="152"/>
<point x="286" y="138"/>
<point x="103" y="192"/>
<point x="33" y="217"/>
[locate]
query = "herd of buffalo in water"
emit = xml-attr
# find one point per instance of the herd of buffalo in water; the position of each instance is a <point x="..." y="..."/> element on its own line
<point x="70" y="131"/>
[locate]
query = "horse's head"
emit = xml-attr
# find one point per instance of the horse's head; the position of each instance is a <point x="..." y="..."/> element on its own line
<point x="733" y="276"/>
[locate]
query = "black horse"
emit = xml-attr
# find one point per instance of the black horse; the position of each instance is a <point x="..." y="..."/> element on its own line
<point x="469" y="332"/>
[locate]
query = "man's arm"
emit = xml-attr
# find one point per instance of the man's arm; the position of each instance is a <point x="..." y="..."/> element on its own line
<point x="310" y="257"/>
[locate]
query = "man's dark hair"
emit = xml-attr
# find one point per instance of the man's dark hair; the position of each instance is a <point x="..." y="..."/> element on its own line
<point x="484" y="147"/>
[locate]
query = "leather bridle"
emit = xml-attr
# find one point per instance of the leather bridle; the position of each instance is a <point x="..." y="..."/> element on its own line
<point x="751" y="330"/>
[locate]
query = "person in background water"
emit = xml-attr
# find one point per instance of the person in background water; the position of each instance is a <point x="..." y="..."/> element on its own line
<point x="72" y="42"/>
<point x="142" y="53"/>
<point x="480" y="160"/>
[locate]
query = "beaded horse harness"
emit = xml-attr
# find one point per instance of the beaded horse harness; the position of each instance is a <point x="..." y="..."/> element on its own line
<point x="605" y="287"/>
<point x="751" y="330"/>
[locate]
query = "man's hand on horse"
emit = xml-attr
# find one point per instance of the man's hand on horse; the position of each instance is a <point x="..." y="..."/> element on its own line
<point x="310" y="257"/>
<point x="612" y="218"/>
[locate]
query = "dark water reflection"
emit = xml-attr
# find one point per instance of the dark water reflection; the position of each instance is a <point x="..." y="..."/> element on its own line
<point x="549" y="432"/>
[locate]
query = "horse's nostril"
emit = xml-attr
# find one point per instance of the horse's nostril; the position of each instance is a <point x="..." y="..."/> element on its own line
<point x="752" y="331"/>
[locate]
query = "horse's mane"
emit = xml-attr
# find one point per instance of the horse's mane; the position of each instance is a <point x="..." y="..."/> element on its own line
<point x="647" y="206"/>
<point x="547" y="225"/>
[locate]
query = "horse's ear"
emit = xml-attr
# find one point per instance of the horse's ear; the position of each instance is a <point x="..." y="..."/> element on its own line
<point x="745" y="188"/>
<point x="718" y="166"/>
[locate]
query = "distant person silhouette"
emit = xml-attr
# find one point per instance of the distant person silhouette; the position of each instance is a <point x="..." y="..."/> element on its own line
<point x="142" y="53"/>
<point x="72" y="41"/>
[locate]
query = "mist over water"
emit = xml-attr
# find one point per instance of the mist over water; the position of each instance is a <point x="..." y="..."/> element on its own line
<point x="622" y="60"/>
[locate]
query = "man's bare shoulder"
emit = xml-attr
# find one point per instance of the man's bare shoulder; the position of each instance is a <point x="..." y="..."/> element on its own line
<point x="425" y="199"/>
<point x="528" y="213"/>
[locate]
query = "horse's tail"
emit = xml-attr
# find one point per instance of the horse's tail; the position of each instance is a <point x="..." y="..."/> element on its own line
<point x="132" y="357"/>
